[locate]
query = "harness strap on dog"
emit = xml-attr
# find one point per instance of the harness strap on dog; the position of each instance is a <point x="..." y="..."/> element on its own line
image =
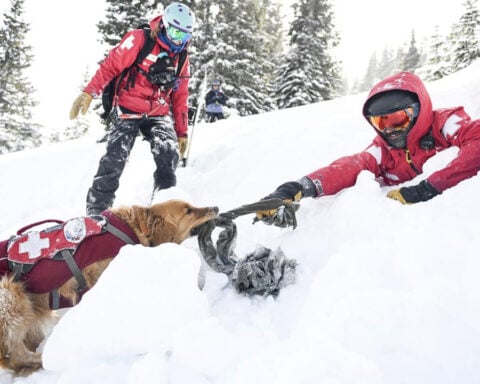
<point x="121" y="235"/>
<point x="67" y="255"/>
<point x="55" y="303"/>
<point x="76" y="272"/>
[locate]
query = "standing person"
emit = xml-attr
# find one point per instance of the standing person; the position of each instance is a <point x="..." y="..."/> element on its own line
<point x="146" y="98"/>
<point x="215" y="100"/>
<point x="409" y="132"/>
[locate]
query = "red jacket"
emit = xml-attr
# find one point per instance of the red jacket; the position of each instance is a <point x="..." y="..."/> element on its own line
<point x="144" y="97"/>
<point x="449" y="127"/>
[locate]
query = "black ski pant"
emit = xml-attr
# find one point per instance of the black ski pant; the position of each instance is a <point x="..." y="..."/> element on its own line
<point x="159" y="132"/>
<point x="214" y="116"/>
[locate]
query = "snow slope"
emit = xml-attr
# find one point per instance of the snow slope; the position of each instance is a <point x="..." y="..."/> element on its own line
<point x="385" y="293"/>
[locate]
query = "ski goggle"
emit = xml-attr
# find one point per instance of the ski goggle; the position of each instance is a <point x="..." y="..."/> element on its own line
<point x="398" y="120"/>
<point x="177" y="36"/>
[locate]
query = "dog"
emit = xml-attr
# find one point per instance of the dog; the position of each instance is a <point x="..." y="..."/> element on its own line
<point x="25" y="302"/>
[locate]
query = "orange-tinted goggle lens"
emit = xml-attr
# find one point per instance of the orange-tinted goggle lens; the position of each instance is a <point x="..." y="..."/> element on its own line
<point x="398" y="120"/>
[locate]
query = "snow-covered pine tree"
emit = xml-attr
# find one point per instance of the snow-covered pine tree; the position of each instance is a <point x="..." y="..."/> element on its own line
<point x="465" y="37"/>
<point x="437" y="61"/>
<point x="387" y="65"/>
<point x="242" y="57"/>
<point x="202" y="48"/>
<point x="17" y="131"/>
<point x="78" y="127"/>
<point x="309" y="73"/>
<point x="411" y="60"/>
<point x="122" y="16"/>
<point x="371" y="75"/>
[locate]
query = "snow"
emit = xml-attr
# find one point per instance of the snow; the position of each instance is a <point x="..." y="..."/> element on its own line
<point x="385" y="293"/>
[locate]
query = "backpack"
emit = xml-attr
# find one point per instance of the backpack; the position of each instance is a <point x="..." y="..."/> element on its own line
<point x="111" y="88"/>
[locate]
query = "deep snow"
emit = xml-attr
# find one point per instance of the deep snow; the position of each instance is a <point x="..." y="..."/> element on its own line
<point x="385" y="293"/>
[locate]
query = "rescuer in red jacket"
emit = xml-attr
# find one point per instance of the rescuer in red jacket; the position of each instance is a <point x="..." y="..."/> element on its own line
<point x="143" y="103"/>
<point x="409" y="132"/>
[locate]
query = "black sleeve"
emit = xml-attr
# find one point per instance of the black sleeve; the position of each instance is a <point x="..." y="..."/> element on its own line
<point x="208" y="98"/>
<point x="223" y="99"/>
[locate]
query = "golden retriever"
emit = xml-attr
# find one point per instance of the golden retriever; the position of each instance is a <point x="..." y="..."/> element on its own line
<point x="25" y="317"/>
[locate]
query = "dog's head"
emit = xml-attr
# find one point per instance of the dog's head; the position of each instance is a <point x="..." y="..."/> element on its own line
<point x="167" y="222"/>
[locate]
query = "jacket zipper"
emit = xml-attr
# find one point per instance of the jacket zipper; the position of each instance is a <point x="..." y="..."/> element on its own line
<point x="409" y="161"/>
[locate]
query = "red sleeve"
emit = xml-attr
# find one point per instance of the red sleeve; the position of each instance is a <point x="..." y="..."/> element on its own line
<point x="343" y="173"/>
<point x="180" y="101"/>
<point x="459" y="131"/>
<point x="119" y="58"/>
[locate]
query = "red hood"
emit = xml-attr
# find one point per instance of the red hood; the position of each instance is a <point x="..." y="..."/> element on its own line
<point x="408" y="82"/>
<point x="154" y="22"/>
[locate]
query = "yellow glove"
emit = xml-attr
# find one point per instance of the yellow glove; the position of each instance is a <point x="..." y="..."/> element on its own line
<point x="182" y="146"/>
<point x="81" y="103"/>
<point x="396" y="195"/>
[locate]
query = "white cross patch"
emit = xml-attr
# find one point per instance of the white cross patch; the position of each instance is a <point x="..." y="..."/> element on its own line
<point x="33" y="245"/>
<point x="128" y="43"/>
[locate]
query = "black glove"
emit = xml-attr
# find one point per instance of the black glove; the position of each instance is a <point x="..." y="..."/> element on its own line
<point x="409" y="195"/>
<point x="288" y="192"/>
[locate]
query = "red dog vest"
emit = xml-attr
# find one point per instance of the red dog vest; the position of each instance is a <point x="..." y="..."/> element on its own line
<point x="37" y="252"/>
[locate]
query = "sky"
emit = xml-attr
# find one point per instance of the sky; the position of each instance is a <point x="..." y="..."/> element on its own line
<point x="384" y="293"/>
<point x="66" y="45"/>
<point x="369" y="26"/>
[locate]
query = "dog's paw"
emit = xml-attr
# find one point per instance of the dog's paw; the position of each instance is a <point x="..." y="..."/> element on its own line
<point x="27" y="367"/>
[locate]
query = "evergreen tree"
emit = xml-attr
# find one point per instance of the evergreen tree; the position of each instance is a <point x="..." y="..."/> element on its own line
<point x="371" y="75"/>
<point x="121" y="16"/>
<point x="437" y="61"/>
<point x="308" y="72"/>
<point x="242" y="55"/>
<point x="465" y="37"/>
<point x="411" y="61"/>
<point x="17" y="132"/>
<point x="387" y="65"/>
<point x="80" y="126"/>
<point x="202" y="48"/>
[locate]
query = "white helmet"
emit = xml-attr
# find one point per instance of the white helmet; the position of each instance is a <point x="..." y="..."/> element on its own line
<point x="179" y="22"/>
<point x="180" y="16"/>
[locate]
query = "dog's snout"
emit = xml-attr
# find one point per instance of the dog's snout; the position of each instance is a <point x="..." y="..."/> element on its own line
<point x="215" y="210"/>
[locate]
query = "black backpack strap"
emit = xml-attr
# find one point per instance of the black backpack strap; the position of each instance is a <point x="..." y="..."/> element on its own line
<point x="146" y="49"/>
<point x="182" y="57"/>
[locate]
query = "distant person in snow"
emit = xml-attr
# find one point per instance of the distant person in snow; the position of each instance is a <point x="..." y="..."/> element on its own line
<point x="408" y="133"/>
<point x="215" y="100"/>
<point x="143" y="103"/>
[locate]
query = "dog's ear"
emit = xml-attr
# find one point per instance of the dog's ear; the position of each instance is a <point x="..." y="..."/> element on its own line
<point x="164" y="230"/>
<point x="156" y="227"/>
<point x="141" y="217"/>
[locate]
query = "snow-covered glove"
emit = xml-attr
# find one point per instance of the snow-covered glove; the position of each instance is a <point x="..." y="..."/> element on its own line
<point x="81" y="103"/>
<point x="409" y="195"/>
<point x="289" y="192"/>
<point x="182" y="146"/>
